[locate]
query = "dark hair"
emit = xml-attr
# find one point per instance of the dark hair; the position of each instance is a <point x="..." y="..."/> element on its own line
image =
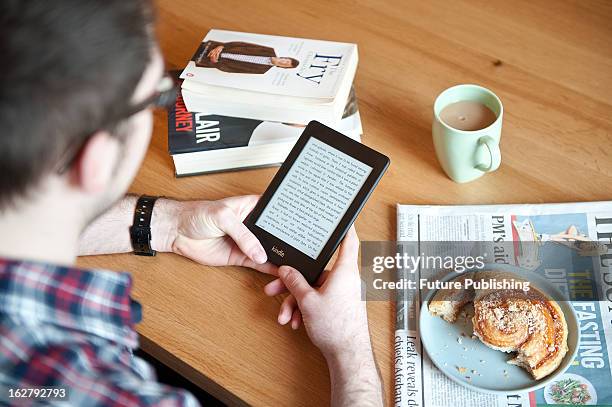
<point x="67" y="67"/>
<point x="294" y="62"/>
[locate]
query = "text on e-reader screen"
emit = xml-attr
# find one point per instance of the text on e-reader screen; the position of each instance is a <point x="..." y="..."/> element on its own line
<point x="312" y="198"/>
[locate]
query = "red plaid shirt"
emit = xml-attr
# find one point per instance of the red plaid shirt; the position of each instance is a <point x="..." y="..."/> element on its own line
<point x="72" y="328"/>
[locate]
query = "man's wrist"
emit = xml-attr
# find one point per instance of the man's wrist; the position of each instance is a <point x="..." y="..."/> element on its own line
<point x="164" y="224"/>
<point x="353" y="353"/>
<point x="355" y="378"/>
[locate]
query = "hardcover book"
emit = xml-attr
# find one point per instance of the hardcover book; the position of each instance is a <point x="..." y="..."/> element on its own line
<point x="270" y="78"/>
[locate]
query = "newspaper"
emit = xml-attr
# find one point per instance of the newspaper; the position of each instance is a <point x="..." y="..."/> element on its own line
<point x="419" y="383"/>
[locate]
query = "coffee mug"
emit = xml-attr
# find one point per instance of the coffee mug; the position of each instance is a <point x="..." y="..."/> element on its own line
<point x="467" y="154"/>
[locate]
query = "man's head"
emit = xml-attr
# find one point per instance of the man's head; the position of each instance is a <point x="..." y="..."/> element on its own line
<point x="285" y="62"/>
<point x="71" y="70"/>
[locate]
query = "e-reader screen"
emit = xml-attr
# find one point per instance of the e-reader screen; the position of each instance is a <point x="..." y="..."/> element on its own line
<point x="313" y="197"/>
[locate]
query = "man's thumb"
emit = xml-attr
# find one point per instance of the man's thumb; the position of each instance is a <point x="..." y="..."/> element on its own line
<point x="294" y="281"/>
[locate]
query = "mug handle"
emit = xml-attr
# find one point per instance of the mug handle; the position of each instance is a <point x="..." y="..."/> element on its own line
<point x="494" y="153"/>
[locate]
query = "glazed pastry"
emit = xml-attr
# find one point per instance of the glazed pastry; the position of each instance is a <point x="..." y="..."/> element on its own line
<point x="527" y="323"/>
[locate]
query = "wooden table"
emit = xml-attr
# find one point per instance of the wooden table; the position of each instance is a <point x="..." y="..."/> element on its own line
<point x="551" y="65"/>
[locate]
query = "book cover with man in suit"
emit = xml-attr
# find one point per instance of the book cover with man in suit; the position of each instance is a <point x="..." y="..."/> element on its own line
<point x="240" y="57"/>
<point x="230" y="62"/>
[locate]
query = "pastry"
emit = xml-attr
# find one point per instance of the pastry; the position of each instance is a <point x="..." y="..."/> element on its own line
<point x="527" y="323"/>
<point x="447" y="303"/>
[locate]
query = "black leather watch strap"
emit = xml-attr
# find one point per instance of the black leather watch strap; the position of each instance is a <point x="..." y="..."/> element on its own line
<point x="140" y="231"/>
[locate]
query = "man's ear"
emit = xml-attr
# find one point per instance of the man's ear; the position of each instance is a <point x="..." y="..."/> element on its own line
<point x="95" y="164"/>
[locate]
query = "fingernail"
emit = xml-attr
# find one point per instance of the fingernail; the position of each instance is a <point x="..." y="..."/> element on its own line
<point x="260" y="256"/>
<point x="294" y="325"/>
<point x="268" y="290"/>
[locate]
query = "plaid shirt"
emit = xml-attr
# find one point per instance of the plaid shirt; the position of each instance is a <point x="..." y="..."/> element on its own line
<point x="72" y="328"/>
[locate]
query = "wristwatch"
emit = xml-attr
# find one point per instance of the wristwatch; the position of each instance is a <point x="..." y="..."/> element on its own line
<point x="140" y="231"/>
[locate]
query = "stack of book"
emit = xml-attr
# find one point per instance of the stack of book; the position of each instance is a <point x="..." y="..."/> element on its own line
<point x="245" y="99"/>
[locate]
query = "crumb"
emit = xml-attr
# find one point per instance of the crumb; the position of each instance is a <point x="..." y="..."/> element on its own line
<point x="474" y="337"/>
<point x="459" y="340"/>
<point x="474" y="371"/>
<point x="469" y="379"/>
<point x="482" y="361"/>
<point x="461" y="369"/>
<point x="465" y="348"/>
<point x="497" y="62"/>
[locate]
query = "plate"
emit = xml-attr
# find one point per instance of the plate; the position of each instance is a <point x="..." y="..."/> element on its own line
<point x="467" y="361"/>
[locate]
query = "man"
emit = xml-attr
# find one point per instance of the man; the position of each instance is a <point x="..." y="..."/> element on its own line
<point x="77" y="86"/>
<point x="240" y="57"/>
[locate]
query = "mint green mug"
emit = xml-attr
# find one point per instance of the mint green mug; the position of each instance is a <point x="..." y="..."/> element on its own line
<point x="466" y="155"/>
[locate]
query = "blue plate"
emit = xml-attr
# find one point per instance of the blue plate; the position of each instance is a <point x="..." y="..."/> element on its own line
<point x="470" y="363"/>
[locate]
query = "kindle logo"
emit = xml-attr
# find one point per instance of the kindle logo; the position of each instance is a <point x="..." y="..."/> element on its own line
<point x="278" y="251"/>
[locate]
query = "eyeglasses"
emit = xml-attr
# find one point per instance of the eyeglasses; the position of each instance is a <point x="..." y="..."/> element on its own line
<point x="163" y="97"/>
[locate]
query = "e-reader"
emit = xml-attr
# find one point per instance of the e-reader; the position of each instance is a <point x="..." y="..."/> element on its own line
<point x="314" y="198"/>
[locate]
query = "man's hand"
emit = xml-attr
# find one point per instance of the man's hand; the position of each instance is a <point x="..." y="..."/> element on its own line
<point x="214" y="54"/>
<point x="333" y="313"/>
<point x="336" y="321"/>
<point x="209" y="232"/>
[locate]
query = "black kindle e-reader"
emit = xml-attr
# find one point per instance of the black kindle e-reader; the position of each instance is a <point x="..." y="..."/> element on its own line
<point x="314" y="198"/>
